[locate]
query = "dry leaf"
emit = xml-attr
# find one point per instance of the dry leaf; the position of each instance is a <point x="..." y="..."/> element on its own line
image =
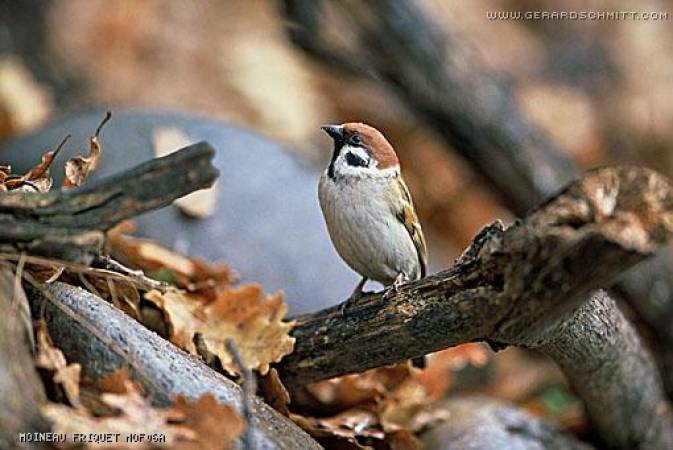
<point x="403" y="440"/>
<point x="185" y="426"/>
<point x="274" y="392"/>
<point x="398" y="409"/>
<point x="252" y="320"/>
<point x="78" y="168"/>
<point x="438" y="375"/>
<point x="136" y="416"/>
<point x="199" y="204"/>
<point x="37" y="179"/>
<point x="51" y="359"/>
<point x="117" y="382"/>
<point x="358" y="390"/>
<point x="341" y="431"/>
<point x="216" y="425"/>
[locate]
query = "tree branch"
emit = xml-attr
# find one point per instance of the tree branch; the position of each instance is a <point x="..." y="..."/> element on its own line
<point x="446" y="83"/>
<point x="68" y="224"/>
<point x="523" y="286"/>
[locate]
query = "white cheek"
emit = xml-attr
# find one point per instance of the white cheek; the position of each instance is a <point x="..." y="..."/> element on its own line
<point x="341" y="167"/>
<point x="359" y="152"/>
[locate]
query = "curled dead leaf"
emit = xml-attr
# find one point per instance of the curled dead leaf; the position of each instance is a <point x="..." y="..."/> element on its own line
<point x="78" y="168"/>
<point x="37" y="179"/>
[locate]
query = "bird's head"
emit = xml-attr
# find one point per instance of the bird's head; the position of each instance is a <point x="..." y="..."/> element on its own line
<point x="361" y="151"/>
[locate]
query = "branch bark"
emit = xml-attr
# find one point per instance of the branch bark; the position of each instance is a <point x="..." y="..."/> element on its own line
<point x="523" y="286"/>
<point x="444" y="82"/>
<point x="68" y="224"/>
<point x="101" y="338"/>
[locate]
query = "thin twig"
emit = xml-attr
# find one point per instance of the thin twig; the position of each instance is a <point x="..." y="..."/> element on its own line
<point x="248" y="389"/>
<point x="116" y="271"/>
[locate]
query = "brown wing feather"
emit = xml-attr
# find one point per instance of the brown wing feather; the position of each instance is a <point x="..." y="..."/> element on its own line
<point x="407" y="215"/>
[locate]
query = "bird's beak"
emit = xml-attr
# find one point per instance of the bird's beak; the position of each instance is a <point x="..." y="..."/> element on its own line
<point x="336" y="132"/>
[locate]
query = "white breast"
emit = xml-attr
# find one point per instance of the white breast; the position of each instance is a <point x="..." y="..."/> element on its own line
<point x="365" y="231"/>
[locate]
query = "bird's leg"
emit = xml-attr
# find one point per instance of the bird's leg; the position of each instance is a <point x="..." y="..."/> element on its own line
<point x="394" y="288"/>
<point x="357" y="293"/>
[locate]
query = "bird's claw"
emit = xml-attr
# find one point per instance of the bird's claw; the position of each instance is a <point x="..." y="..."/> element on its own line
<point x="343" y="309"/>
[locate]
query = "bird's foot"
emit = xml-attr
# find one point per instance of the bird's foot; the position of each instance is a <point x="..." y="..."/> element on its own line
<point x="355" y="296"/>
<point x="394" y="288"/>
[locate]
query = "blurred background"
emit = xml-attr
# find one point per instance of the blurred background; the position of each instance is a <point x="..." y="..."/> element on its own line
<point x="578" y="94"/>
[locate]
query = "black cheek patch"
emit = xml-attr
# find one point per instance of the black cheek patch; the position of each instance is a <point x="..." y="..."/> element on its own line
<point x="354" y="160"/>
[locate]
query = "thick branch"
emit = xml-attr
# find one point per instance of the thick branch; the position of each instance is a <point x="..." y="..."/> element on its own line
<point x="68" y="223"/>
<point x="102" y="339"/>
<point x="443" y="81"/>
<point x="517" y="286"/>
<point x="602" y="357"/>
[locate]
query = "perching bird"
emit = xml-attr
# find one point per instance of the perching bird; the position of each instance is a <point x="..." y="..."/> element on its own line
<point x="368" y="209"/>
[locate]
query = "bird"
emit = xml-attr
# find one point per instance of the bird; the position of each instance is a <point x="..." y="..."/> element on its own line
<point x="369" y="212"/>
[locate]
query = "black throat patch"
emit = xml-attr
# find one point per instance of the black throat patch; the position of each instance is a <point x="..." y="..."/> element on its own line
<point x="335" y="155"/>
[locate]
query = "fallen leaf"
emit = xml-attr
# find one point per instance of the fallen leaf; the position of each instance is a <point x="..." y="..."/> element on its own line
<point x="437" y="377"/>
<point x="199" y="204"/>
<point x="52" y="360"/>
<point x="403" y="440"/>
<point x="136" y="415"/>
<point x="252" y="320"/>
<point x="187" y="425"/>
<point x="358" y="390"/>
<point x="274" y="392"/>
<point x="341" y="431"/>
<point x="37" y="179"/>
<point x="215" y="425"/>
<point x="398" y="409"/>
<point x="117" y="382"/>
<point x="78" y="168"/>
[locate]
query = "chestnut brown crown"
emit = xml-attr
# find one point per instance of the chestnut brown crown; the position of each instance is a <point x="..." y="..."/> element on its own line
<point x="374" y="141"/>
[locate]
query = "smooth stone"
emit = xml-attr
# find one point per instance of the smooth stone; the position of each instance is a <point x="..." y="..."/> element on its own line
<point x="267" y="224"/>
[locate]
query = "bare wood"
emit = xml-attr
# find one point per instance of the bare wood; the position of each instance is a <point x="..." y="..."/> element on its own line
<point x="523" y="286"/>
<point x="604" y="360"/>
<point x="68" y="224"/>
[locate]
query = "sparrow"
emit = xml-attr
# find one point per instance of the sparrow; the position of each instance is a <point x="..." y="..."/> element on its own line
<point x="368" y="210"/>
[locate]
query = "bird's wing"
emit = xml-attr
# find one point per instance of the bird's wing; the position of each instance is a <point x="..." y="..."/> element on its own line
<point x="407" y="215"/>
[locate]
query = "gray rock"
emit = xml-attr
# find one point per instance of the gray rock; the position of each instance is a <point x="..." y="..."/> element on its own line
<point x="268" y="224"/>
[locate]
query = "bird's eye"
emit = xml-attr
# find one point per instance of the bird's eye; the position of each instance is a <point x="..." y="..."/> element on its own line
<point x="356" y="140"/>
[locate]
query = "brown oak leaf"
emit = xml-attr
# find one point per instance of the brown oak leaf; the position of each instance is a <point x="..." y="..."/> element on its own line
<point x="253" y="321"/>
